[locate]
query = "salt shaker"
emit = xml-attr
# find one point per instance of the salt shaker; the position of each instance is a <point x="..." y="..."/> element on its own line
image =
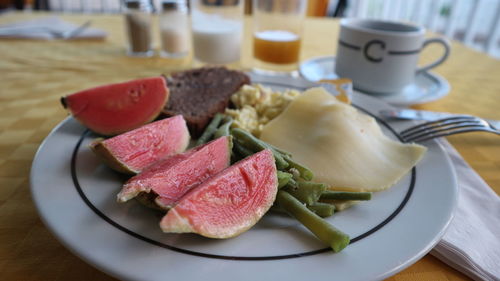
<point x="174" y="28"/>
<point x="138" y="16"/>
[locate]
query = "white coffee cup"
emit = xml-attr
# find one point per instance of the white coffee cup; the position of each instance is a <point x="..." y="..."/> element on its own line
<point x="380" y="56"/>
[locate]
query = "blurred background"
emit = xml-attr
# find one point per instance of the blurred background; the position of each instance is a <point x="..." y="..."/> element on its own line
<point x="476" y="23"/>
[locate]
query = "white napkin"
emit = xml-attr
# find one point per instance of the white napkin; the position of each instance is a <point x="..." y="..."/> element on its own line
<point x="43" y="28"/>
<point x="472" y="242"/>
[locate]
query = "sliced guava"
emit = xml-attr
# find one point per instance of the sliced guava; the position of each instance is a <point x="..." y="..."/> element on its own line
<point x="228" y="203"/>
<point x="133" y="151"/>
<point x="116" y="108"/>
<point x="171" y="178"/>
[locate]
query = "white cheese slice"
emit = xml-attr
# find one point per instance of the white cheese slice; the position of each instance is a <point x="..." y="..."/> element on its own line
<point x="345" y="148"/>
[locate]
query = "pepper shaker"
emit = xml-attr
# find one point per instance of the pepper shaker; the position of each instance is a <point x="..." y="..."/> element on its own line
<point x="174" y="28"/>
<point x="138" y="16"/>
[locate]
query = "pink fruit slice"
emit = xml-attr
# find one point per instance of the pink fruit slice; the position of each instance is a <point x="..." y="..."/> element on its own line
<point x="171" y="178"/>
<point x="230" y="202"/>
<point x="117" y="108"/>
<point x="135" y="150"/>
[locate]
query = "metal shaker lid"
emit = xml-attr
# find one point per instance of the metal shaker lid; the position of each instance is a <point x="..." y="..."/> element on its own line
<point x="139" y="4"/>
<point x="174" y="5"/>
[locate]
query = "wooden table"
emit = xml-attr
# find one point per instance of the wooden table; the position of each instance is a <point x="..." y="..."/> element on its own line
<point x="35" y="74"/>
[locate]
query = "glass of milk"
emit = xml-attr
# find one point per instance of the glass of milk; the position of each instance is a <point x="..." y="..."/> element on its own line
<point x="217" y="28"/>
<point x="277" y="34"/>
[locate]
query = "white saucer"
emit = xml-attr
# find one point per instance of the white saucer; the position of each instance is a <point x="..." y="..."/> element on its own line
<point x="427" y="87"/>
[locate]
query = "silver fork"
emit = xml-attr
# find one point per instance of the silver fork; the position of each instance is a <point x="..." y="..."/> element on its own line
<point x="446" y="127"/>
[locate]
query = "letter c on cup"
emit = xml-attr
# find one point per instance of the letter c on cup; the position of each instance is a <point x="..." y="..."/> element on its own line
<point x="370" y="44"/>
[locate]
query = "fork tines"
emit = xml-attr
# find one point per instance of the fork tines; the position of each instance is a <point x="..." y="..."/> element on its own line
<point x="446" y="127"/>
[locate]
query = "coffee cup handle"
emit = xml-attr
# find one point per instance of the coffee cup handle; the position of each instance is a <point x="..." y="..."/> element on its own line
<point x="439" y="61"/>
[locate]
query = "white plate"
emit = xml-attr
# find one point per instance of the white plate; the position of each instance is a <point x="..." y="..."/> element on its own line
<point x="427" y="87"/>
<point x="75" y="196"/>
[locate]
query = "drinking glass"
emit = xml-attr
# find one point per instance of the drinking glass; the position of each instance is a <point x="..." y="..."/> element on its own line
<point x="277" y="34"/>
<point x="217" y="27"/>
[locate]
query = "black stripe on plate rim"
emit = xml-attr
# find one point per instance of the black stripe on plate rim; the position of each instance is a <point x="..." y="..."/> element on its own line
<point x="99" y="213"/>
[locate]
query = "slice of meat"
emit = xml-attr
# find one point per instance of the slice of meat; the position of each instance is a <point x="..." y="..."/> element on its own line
<point x="198" y="94"/>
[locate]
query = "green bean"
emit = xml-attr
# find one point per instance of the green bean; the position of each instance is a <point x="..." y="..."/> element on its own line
<point x="305" y="173"/>
<point x="292" y="183"/>
<point x="210" y="129"/>
<point x="283" y="178"/>
<point x="224" y="129"/>
<point x="241" y="150"/>
<point x="342" y="205"/>
<point x="323" y="210"/>
<point x="285" y="153"/>
<point x="327" y="233"/>
<point x="344" y="195"/>
<point x="307" y="192"/>
<point x="249" y="141"/>
<point x="235" y="155"/>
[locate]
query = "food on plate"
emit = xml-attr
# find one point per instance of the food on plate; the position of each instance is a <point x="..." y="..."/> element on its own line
<point x="344" y="148"/>
<point x="210" y="129"/>
<point x="148" y="200"/>
<point x="133" y="151"/>
<point x="327" y="233"/>
<point x="252" y="144"/>
<point x="256" y="105"/>
<point x="315" y="155"/>
<point x="225" y="128"/>
<point x="171" y="178"/>
<point x="246" y="144"/>
<point x="306" y="192"/>
<point x="323" y="210"/>
<point x="198" y="94"/>
<point x="294" y="181"/>
<point x="340" y="205"/>
<point x="117" y="108"/>
<point x="219" y="126"/>
<point x="345" y="195"/>
<point x="230" y="202"/>
<point x="342" y="200"/>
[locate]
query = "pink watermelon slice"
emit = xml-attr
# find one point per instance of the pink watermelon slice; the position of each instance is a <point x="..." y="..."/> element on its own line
<point x="171" y="178"/>
<point x="133" y="151"/>
<point x="230" y="202"/>
<point x="117" y="108"/>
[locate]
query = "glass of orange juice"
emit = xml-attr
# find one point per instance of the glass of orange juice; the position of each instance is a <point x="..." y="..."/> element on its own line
<point x="277" y="34"/>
